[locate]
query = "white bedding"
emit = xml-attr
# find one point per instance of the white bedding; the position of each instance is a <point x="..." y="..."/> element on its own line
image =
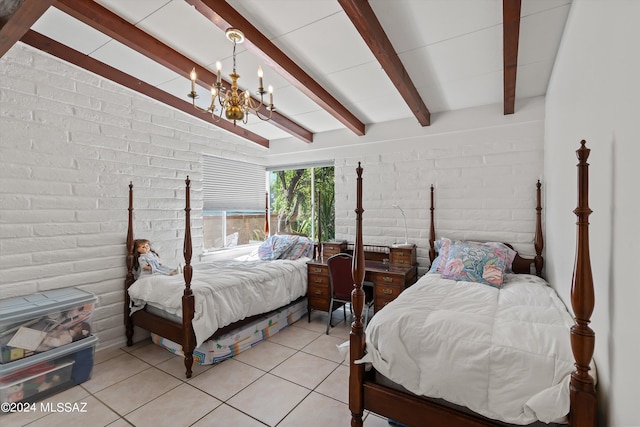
<point x="504" y="354"/>
<point x="225" y="291"/>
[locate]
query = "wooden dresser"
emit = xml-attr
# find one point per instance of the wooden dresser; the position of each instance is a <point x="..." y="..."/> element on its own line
<point x="391" y="269"/>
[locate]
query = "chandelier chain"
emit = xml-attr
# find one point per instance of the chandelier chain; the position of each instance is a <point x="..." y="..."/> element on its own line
<point x="234" y="56"/>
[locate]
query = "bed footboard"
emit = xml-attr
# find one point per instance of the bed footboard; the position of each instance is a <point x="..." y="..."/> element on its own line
<point x="583" y="395"/>
<point x="179" y="332"/>
<point x="356" y="336"/>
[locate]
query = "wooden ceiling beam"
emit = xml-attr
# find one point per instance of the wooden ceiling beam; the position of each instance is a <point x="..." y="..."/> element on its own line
<point x="41" y="42"/>
<point x="510" y="36"/>
<point x="23" y="14"/>
<point x="364" y="19"/>
<point x="119" y="29"/>
<point x="224" y="16"/>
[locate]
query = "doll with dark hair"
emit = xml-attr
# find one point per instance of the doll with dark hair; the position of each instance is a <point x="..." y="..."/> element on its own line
<point x="147" y="260"/>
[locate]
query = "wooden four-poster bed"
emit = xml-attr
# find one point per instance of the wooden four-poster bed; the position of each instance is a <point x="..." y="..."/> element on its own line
<point x="370" y="389"/>
<point x="262" y="294"/>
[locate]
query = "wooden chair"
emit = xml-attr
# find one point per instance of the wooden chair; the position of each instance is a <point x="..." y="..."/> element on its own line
<point x="341" y="285"/>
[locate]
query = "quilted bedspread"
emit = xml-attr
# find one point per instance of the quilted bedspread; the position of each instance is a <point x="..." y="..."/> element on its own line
<point x="224" y="291"/>
<point x="503" y="353"/>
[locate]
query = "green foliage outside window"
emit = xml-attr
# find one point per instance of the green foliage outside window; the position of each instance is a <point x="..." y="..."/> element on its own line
<point x="292" y="203"/>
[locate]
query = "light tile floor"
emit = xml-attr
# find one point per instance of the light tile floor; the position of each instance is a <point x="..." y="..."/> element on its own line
<point x="295" y="378"/>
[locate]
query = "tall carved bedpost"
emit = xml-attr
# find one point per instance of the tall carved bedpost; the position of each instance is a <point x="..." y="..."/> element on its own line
<point x="129" y="279"/>
<point x="266" y="214"/>
<point x="582" y="389"/>
<point x="538" y="241"/>
<point x="432" y="230"/>
<point x="357" y="337"/>
<point x="187" y="297"/>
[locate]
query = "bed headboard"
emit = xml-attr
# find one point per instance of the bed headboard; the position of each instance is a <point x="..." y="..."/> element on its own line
<point x="129" y="279"/>
<point x="521" y="265"/>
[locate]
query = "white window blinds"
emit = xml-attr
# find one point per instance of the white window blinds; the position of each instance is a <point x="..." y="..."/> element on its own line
<point x="230" y="185"/>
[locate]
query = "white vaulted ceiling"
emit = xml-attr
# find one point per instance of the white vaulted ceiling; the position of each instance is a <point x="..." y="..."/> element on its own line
<point x="452" y="52"/>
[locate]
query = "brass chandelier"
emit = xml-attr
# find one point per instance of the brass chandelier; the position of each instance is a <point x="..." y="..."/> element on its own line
<point x="235" y="105"/>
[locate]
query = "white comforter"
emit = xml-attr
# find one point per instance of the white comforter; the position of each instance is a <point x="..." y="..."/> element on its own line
<point x="503" y="353"/>
<point x="224" y="291"/>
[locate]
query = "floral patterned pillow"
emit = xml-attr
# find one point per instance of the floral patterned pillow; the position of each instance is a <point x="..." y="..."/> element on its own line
<point x="511" y="254"/>
<point x="476" y="262"/>
<point x="442" y="247"/>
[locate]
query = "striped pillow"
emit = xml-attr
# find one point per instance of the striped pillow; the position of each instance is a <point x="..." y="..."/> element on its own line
<point x="285" y="246"/>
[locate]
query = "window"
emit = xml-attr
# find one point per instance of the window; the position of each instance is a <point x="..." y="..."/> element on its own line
<point x="292" y="207"/>
<point x="234" y="202"/>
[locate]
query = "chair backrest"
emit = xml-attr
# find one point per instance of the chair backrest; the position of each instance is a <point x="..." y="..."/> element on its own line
<point x="340" y="276"/>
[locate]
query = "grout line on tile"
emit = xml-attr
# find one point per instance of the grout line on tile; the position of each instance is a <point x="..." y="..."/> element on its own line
<point x="301" y="326"/>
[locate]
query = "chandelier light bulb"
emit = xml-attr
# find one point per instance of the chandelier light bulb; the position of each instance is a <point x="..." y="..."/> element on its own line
<point x="193" y="77"/>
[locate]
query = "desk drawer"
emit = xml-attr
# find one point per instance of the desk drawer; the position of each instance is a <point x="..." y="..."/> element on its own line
<point x="387" y="291"/>
<point x="318" y="295"/>
<point x="332" y="248"/>
<point x="386" y="278"/>
<point x="321" y="270"/>
<point x="321" y="304"/>
<point x="318" y="288"/>
<point x="315" y="280"/>
<point x="404" y="256"/>
<point x="398" y="259"/>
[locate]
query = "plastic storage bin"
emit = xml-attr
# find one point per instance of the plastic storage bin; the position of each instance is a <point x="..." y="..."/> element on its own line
<point x="36" y="323"/>
<point x="44" y="374"/>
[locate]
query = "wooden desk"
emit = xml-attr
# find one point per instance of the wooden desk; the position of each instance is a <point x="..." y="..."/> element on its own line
<point x="389" y="280"/>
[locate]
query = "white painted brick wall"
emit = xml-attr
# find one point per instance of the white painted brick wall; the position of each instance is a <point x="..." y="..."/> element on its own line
<point x="484" y="188"/>
<point x="70" y="143"/>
